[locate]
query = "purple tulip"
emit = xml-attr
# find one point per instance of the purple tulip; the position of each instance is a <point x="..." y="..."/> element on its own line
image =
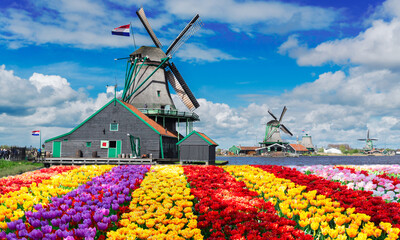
<point x="97" y="217"/>
<point x="34" y="222"/>
<point x="102" y="226"/>
<point x="87" y="221"/>
<point x="21" y="226"/>
<point x="22" y="233"/>
<point x="83" y="225"/>
<point x="44" y="223"/>
<point x="37" y="207"/>
<point x="64" y="226"/>
<point x="12" y="225"/>
<point x="114" y="218"/>
<point x="80" y="232"/>
<point x="47" y="229"/>
<point x="71" y="212"/>
<point x="56" y="222"/>
<point x="64" y="207"/>
<point x="36" y="234"/>
<point x="115" y="207"/>
<point x="76" y="218"/>
<point x="2" y="234"/>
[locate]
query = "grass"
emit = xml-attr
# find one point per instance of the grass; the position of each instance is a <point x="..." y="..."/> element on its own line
<point x="8" y="168"/>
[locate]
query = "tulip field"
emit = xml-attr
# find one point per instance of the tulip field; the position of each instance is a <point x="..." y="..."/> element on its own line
<point x="202" y="202"/>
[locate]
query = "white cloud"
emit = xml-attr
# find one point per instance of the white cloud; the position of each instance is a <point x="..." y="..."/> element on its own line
<point x="378" y="46"/>
<point x="200" y="53"/>
<point x="256" y="16"/>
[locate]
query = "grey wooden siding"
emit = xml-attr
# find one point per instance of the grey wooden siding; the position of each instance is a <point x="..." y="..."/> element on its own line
<point x="98" y="128"/>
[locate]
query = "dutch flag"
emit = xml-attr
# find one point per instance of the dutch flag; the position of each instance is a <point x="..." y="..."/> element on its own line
<point x="121" y="31"/>
<point x="36" y="133"/>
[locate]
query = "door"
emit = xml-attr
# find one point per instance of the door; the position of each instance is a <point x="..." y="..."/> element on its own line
<point x="56" y="149"/>
<point x="114" y="148"/>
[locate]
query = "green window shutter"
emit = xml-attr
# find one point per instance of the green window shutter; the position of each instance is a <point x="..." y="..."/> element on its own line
<point x="88" y="144"/>
<point x="114" y="127"/>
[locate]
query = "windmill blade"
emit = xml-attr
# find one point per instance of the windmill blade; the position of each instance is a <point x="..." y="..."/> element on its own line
<point x="362" y="139"/>
<point x="185" y="87"/>
<point x="368" y="134"/>
<point x="179" y="90"/>
<point x="272" y="114"/>
<point x="192" y="27"/>
<point x="145" y="22"/>
<point x="373" y="139"/>
<point x="283" y="113"/>
<point x="286" y="130"/>
<point x="182" y="90"/>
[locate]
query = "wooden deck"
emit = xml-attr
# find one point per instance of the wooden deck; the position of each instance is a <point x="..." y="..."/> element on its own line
<point x="98" y="161"/>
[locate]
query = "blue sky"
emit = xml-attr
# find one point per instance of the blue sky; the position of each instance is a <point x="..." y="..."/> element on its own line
<point x="334" y="64"/>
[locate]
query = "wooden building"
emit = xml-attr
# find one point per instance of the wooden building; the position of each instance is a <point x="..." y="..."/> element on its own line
<point x="197" y="147"/>
<point x="115" y="129"/>
<point x="298" y="149"/>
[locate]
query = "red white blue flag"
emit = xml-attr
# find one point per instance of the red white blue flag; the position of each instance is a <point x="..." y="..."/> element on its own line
<point x="36" y="133"/>
<point x="121" y="31"/>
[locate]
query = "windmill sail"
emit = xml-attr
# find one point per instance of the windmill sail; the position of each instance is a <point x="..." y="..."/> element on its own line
<point x="286" y="130"/>
<point x="192" y="27"/>
<point x="179" y="90"/>
<point x="145" y="22"/>
<point x="283" y="113"/>
<point x="272" y="114"/>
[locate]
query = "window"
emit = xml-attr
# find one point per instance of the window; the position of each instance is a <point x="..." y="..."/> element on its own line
<point x="88" y="144"/>
<point x="158" y="93"/>
<point x="114" y="127"/>
<point x="65" y="140"/>
<point x="113" y="144"/>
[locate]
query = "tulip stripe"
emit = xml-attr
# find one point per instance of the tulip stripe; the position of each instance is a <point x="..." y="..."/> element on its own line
<point x="161" y="208"/>
<point x="15" y="183"/>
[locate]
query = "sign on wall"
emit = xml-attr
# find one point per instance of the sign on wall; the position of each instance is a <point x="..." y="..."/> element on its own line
<point x="104" y="144"/>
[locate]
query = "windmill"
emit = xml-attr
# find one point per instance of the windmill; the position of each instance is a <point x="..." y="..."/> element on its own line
<point x="369" y="145"/>
<point x="272" y="132"/>
<point x="148" y="71"/>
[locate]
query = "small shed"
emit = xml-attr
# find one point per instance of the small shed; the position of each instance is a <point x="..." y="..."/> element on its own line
<point x="234" y="150"/>
<point x="197" y="147"/>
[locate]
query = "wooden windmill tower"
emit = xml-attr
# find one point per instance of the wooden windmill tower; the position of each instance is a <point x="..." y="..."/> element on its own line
<point x="369" y="145"/>
<point x="149" y="69"/>
<point x="272" y="132"/>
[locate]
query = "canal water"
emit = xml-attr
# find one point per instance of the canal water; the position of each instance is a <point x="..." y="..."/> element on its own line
<point x="307" y="160"/>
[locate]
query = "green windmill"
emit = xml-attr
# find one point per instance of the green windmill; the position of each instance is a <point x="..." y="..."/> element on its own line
<point x="369" y="145"/>
<point x="272" y="131"/>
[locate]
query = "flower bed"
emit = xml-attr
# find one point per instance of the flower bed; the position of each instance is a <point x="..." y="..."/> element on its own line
<point x="200" y="202"/>
<point x="383" y="214"/>
<point x="14" y="204"/>
<point x="85" y="213"/>
<point x="227" y="210"/>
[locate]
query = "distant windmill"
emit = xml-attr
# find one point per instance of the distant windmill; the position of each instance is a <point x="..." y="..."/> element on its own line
<point x="147" y="72"/>
<point x="272" y="132"/>
<point x="369" y="145"/>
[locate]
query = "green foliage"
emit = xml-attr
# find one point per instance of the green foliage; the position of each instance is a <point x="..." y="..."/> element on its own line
<point x="321" y="150"/>
<point x="17" y="167"/>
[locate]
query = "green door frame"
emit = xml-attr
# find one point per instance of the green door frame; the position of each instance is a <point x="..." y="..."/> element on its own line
<point x="57" y="149"/>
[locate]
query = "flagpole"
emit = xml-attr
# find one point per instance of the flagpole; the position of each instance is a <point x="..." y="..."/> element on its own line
<point x="133" y="36"/>
<point x="40" y="141"/>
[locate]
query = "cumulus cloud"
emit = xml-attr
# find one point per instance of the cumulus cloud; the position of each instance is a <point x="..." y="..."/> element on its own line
<point x="378" y="46"/>
<point x="256" y="16"/>
<point x="45" y="102"/>
<point x="200" y="53"/>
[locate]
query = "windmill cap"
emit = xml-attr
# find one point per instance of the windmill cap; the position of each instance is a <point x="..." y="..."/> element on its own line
<point x="154" y="54"/>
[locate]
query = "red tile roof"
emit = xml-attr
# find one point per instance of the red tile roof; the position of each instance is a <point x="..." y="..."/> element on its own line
<point x="299" y="147"/>
<point x="208" y="139"/>
<point x="150" y="121"/>
<point x="248" y="148"/>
